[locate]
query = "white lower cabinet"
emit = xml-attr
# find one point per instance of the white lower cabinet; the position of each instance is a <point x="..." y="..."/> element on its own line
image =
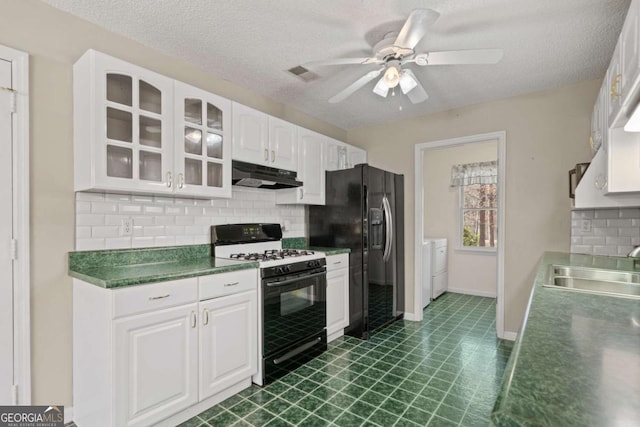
<point x="228" y="344"/>
<point x="156" y="355"/>
<point x="156" y="365"/>
<point x="337" y="295"/>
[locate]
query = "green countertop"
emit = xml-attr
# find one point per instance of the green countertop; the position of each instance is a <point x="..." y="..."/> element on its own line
<point x="576" y="361"/>
<point x="127" y="267"/>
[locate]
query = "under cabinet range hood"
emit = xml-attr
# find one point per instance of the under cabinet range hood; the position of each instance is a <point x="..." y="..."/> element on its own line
<point x="258" y="176"/>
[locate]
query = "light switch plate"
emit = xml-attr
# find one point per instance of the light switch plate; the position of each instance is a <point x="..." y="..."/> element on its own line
<point x="585" y="225"/>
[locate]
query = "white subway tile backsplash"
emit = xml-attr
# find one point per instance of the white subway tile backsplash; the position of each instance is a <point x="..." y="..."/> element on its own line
<point x="163" y="221"/>
<point x="613" y="231"/>
<point x="607" y="213"/>
<point x="89" y="219"/>
<point x="156" y="210"/>
<point x="104" y="207"/>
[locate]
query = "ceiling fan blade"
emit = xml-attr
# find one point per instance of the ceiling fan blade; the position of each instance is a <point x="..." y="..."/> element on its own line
<point x="349" y="90"/>
<point x="342" y="61"/>
<point x="415" y="27"/>
<point x="456" y="57"/>
<point x="417" y="94"/>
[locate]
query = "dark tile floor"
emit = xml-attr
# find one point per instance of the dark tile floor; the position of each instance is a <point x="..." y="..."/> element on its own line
<point x="443" y="371"/>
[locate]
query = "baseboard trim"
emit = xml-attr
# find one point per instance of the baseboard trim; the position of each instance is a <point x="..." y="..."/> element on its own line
<point x="411" y="317"/>
<point x="509" y="335"/>
<point x="472" y="292"/>
<point x="68" y="414"/>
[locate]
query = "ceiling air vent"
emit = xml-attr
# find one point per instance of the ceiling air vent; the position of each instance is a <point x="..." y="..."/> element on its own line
<point x="303" y="73"/>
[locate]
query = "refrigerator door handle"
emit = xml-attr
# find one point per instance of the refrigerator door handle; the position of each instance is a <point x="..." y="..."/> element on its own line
<point x="388" y="228"/>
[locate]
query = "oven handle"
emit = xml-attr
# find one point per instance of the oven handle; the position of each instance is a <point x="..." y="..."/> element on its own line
<point x="296" y="351"/>
<point x="295" y="279"/>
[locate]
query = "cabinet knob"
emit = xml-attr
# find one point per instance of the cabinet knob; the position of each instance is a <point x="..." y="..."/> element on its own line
<point x="169" y="179"/>
<point x="180" y="180"/>
<point x="273" y="156"/>
<point x="266" y="155"/>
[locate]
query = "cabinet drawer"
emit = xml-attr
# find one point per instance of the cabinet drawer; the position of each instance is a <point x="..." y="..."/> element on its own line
<point x="217" y="285"/>
<point x="335" y="262"/>
<point x="139" y="299"/>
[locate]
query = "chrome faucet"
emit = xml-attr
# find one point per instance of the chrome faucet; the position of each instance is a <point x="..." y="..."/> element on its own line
<point x="635" y="252"/>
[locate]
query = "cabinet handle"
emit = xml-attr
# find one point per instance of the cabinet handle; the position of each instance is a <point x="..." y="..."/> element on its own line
<point x="266" y="155"/>
<point x="159" y="297"/>
<point x="301" y="192"/>
<point x="337" y="262"/>
<point x="169" y="179"/>
<point x="231" y="284"/>
<point x="273" y="156"/>
<point x="205" y="317"/>
<point x="180" y="180"/>
<point x="614" y="87"/>
<point x="194" y="321"/>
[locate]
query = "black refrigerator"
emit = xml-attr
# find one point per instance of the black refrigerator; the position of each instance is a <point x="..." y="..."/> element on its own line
<point x="364" y="212"/>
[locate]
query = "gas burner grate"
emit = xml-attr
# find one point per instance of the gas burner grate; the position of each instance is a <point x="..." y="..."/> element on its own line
<point x="272" y="255"/>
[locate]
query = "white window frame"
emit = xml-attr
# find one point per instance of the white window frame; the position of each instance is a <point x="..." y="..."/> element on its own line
<point x="460" y="247"/>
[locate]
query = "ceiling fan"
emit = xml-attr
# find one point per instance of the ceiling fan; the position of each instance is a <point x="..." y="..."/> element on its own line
<point x="396" y="51"/>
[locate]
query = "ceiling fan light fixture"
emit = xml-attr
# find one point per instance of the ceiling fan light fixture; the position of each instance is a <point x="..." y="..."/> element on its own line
<point x="407" y="82"/>
<point x="381" y="88"/>
<point x="392" y="76"/>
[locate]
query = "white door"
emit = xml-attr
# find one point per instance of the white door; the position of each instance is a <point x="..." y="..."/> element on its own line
<point x="156" y="365"/>
<point x="6" y="234"/>
<point x="228" y="336"/>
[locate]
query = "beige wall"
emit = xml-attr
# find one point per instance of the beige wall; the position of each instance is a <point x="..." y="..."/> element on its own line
<point x="54" y="41"/>
<point x="468" y="272"/>
<point x="547" y="133"/>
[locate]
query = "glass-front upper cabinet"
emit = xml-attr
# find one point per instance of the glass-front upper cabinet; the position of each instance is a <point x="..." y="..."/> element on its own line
<point x="123" y="126"/>
<point x="203" y="142"/>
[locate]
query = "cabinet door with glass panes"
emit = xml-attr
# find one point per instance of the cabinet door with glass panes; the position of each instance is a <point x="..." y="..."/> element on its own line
<point x="203" y="142"/>
<point x="123" y="121"/>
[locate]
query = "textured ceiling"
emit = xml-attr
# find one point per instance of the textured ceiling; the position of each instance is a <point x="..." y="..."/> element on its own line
<point x="546" y="43"/>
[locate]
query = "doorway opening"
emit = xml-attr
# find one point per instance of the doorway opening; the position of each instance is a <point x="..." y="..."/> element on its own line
<point x="477" y="230"/>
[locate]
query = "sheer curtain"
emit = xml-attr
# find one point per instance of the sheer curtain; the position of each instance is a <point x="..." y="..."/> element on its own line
<point x="474" y="173"/>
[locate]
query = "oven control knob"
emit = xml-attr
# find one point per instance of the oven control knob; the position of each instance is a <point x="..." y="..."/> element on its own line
<point x="313" y="264"/>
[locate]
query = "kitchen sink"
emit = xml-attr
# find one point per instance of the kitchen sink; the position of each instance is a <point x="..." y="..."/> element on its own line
<point x="594" y="280"/>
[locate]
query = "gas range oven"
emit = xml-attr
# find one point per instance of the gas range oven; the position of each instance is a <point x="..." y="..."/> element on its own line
<point x="291" y="295"/>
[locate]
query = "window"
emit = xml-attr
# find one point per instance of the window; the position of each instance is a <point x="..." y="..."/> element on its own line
<point x="478" y="216"/>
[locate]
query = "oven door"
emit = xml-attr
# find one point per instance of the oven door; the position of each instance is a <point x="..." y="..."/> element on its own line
<point x="294" y="309"/>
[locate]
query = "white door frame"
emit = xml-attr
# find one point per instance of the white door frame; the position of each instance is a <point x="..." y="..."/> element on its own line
<point x="21" y="296"/>
<point x="501" y="137"/>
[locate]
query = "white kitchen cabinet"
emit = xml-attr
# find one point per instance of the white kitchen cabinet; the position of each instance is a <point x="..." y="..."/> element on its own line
<point x="158" y="354"/>
<point x="343" y="156"/>
<point x="123" y="126"/>
<point x="228" y="341"/>
<point x="136" y="131"/>
<point x="283" y="144"/>
<point x="356" y="155"/>
<point x="202" y="142"/>
<point x="337" y="295"/>
<point x="156" y="365"/>
<point x="263" y="140"/>
<point x="311" y="171"/>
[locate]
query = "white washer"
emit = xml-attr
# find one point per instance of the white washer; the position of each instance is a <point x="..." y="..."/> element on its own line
<point x="434" y="269"/>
